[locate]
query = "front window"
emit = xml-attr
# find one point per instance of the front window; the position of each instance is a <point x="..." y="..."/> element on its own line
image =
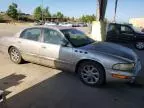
<point x="113" y="29"/>
<point x="76" y="37"/>
<point x="52" y="37"/>
<point x="126" y="29"/>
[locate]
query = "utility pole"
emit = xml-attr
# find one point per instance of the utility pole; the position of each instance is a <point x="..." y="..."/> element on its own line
<point x="98" y="10"/>
<point x="116" y="3"/>
<point x="101" y="9"/>
<point x="42" y="12"/>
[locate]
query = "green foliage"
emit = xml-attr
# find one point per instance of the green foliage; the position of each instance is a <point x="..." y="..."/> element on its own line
<point x="1" y="18"/>
<point x="46" y="12"/>
<point x="38" y="13"/>
<point x="59" y="15"/>
<point x="54" y="15"/>
<point x="88" y="18"/>
<point x="19" y="13"/>
<point x="12" y="11"/>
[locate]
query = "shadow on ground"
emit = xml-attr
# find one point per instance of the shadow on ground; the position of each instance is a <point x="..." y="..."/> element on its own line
<point x="11" y="80"/>
<point x="64" y="90"/>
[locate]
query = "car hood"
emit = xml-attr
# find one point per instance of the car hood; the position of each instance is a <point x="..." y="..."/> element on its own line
<point x="112" y="49"/>
<point x="141" y="34"/>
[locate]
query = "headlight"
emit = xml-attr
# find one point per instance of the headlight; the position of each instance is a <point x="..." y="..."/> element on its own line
<point x="124" y="66"/>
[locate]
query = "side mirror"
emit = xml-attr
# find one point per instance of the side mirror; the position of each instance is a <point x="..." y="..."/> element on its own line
<point x="64" y="42"/>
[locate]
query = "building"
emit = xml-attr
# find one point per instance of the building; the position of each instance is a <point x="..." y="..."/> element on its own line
<point x="137" y="22"/>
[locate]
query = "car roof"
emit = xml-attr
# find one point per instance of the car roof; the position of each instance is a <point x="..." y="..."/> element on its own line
<point x="58" y="28"/>
<point x="52" y="27"/>
<point x="123" y="24"/>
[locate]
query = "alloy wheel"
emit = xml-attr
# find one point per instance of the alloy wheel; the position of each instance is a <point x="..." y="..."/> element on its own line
<point x="90" y="74"/>
<point x="140" y="45"/>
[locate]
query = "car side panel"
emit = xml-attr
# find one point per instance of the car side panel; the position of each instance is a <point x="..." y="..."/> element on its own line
<point x="126" y="37"/>
<point x="56" y="56"/>
<point x="66" y="58"/>
<point x="29" y="50"/>
<point x="106" y="60"/>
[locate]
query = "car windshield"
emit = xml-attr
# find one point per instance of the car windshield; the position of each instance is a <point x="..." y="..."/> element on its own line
<point x="76" y="37"/>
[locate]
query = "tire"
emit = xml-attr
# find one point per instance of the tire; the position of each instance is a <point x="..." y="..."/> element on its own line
<point x="139" y="45"/>
<point x="15" y="55"/>
<point x="91" y="73"/>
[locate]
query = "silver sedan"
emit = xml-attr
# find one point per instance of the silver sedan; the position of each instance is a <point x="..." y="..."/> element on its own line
<point x="71" y="50"/>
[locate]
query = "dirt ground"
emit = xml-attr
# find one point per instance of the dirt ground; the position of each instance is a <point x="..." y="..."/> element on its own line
<point x="33" y="86"/>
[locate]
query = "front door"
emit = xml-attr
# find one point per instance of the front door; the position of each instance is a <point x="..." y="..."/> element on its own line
<point x="52" y="53"/>
<point x="126" y="34"/>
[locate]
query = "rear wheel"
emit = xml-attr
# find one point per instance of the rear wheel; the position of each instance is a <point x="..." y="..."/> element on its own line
<point x="15" y="55"/>
<point x="91" y="73"/>
<point x="139" y="45"/>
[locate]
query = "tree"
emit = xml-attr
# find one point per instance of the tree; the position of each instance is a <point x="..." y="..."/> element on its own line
<point x="54" y="15"/>
<point x="12" y="11"/>
<point x="19" y="14"/>
<point x="88" y="18"/>
<point x="83" y="19"/>
<point x="59" y="15"/>
<point x="1" y="18"/>
<point x="46" y="13"/>
<point x="38" y="13"/>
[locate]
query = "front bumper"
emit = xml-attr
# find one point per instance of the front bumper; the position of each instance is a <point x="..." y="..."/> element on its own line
<point x="125" y="75"/>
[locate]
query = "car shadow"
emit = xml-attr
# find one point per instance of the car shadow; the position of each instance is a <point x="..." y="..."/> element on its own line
<point x="64" y="90"/>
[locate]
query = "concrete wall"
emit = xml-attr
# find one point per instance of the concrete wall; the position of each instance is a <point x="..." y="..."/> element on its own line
<point x="99" y="30"/>
<point x="137" y="22"/>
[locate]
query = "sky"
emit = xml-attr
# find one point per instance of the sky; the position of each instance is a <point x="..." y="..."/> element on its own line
<point x="126" y="8"/>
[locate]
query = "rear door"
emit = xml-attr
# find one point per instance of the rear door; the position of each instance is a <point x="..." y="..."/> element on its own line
<point x="30" y="44"/>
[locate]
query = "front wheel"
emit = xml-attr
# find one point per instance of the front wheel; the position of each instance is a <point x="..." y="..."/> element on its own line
<point x="15" y="55"/>
<point x="91" y="73"/>
<point x="139" y="45"/>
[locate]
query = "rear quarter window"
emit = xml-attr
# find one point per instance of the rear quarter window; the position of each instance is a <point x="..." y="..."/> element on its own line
<point x="31" y="34"/>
